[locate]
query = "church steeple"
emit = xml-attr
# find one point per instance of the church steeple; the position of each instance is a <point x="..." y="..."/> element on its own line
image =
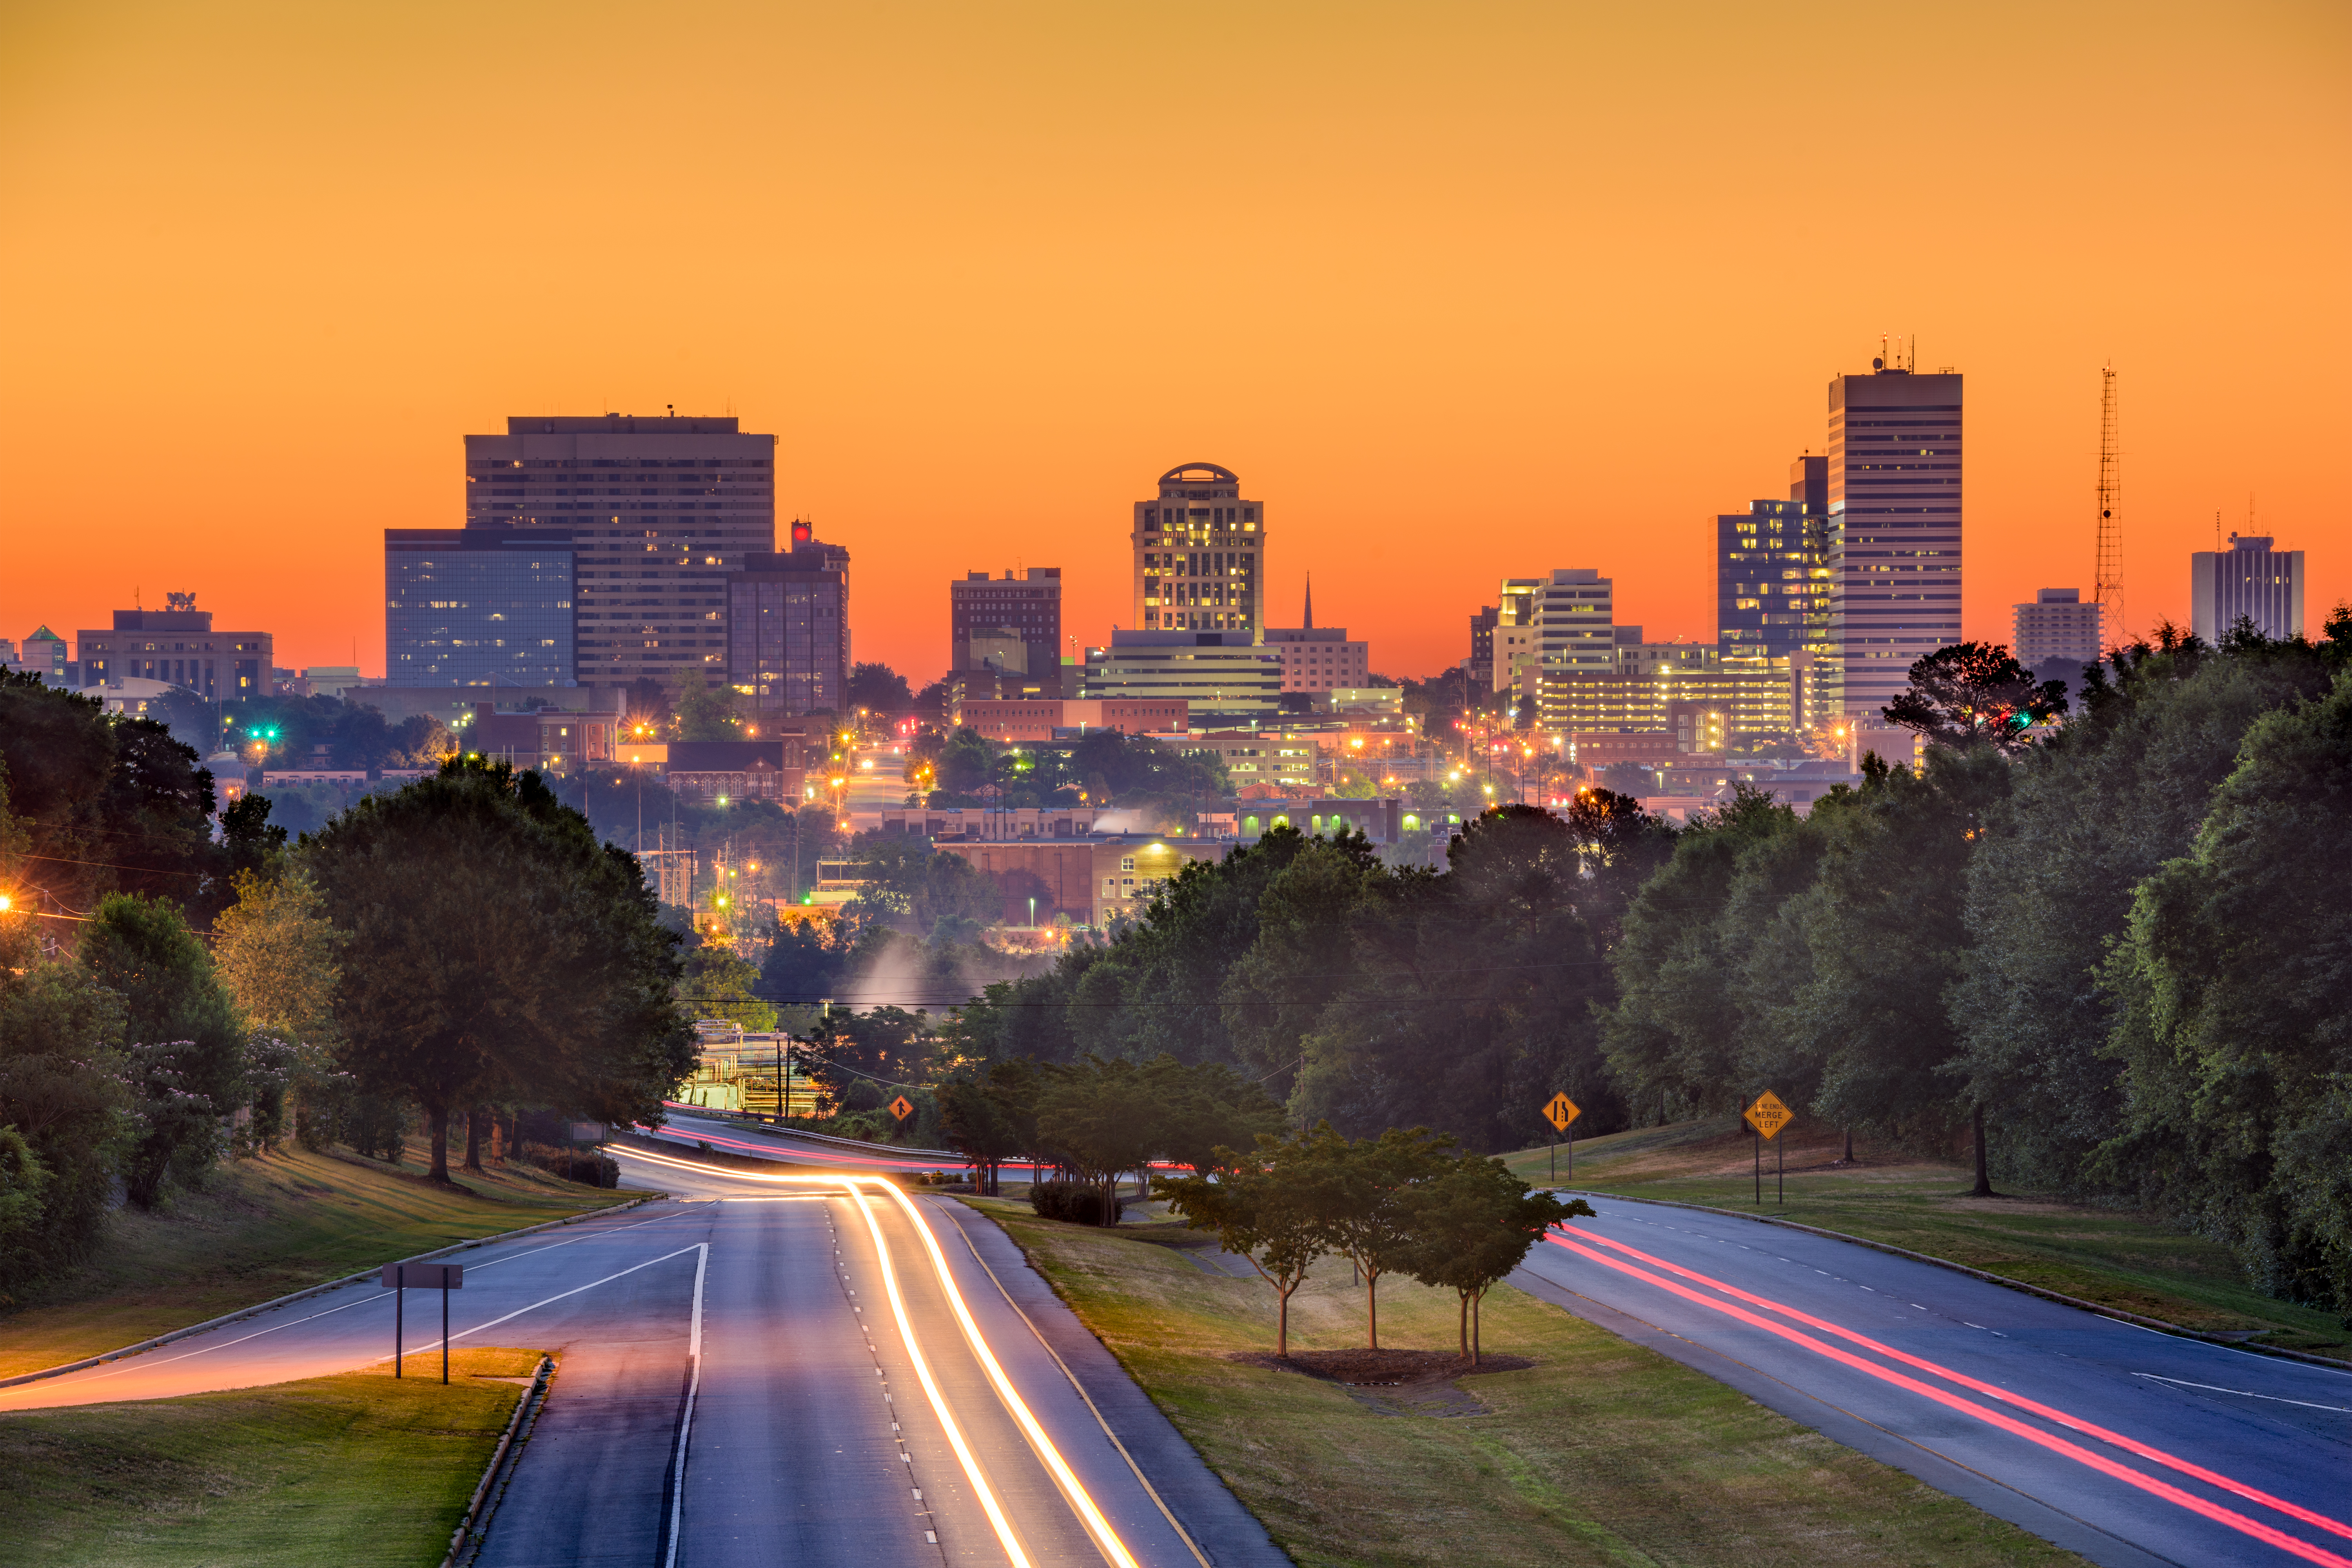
<point x="1309" y="622"/>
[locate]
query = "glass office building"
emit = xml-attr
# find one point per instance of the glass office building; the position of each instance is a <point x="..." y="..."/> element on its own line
<point x="479" y="606"/>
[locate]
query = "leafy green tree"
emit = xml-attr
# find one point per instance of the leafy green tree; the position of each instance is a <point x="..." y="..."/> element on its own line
<point x="280" y="958"/>
<point x="862" y="1059"/>
<point x="1973" y="691"/>
<point x="708" y="713"/>
<point x="990" y="1115"/>
<point x="1304" y="950"/>
<point x="1469" y="1226"/>
<point x="966" y="762"/>
<point x="23" y="1182"/>
<point x="1365" y="1193"/>
<point x="1263" y="1208"/>
<point x="878" y="688"/>
<point x="719" y="983"/>
<point x="498" y="952"/>
<point x="1093" y="1119"/>
<point x="1200" y="1109"/>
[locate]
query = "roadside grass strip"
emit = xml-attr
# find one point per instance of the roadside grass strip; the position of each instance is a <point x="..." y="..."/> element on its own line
<point x="2268" y="1535"/>
<point x="359" y="1470"/>
<point x="1603" y="1453"/>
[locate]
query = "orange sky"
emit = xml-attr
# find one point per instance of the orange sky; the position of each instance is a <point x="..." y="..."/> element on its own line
<point x="1460" y="291"/>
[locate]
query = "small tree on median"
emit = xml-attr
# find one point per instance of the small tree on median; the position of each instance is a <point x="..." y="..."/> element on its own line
<point x="1364" y="1192"/>
<point x="1263" y="1210"/>
<point x="1470" y="1227"/>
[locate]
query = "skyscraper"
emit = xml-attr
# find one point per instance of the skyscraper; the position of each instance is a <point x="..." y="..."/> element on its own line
<point x="1012" y="625"/>
<point x="1199" y="554"/>
<point x="1576" y="637"/>
<point x="1893" y="529"/>
<point x="659" y="511"/>
<point x="787" y="626"/>
<point x="2250" y="579"/>
<point x="2057" y="625"/>
<point x="478" y="606"/>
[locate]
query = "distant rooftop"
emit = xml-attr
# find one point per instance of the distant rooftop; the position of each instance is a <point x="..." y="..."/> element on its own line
<point x="620" y="425"/>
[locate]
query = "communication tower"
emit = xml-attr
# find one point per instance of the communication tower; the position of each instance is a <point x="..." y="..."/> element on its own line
<point x="2109" y="593"/>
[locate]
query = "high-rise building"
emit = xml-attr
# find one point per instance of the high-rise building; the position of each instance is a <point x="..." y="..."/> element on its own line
<point x="1225" y="679"/>
<point x="1893" y="529"/>
<point x="478" y="606"/>
<point x="1199" y="554"/>
<point x="1516" y="655"/>
<point x="43" y="653"/>
<point x="1012" y="625"/>
<point x="788" y="648"/>
<point x="2057" y="625"/>
<point x="660" y="511"/>
<point x="1482" y="645"/>
<point x="179" y="645"/>
<point x="2249" y="581"/>
<point x="1575" y="636"/>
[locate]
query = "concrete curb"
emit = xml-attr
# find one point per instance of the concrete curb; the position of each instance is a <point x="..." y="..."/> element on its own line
<point x="2158" y="1324"/>
<point x="314" y="1290"/>
<point x="458" y="1541"/>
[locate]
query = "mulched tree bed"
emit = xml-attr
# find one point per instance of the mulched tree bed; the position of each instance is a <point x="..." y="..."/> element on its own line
<point x="1382" y="1368"/>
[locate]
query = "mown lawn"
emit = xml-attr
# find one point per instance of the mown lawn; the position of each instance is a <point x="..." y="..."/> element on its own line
<point x="268" y="1226"/>
<point x="356" y="1470"/>
<point x="1602" y="1453"/>
<point x="2113" y="1257"/>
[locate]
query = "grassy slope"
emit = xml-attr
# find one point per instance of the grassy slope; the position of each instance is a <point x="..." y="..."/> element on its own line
<point x="269" y="1226"/>
<point x="355" y="1471"/>
<point x="2116" y="1257"/>
<point x="1603" y="1453"/>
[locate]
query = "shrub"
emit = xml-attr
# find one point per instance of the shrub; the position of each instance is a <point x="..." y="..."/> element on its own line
<point x="1081" y="1202"/>
<point x="585" y="1166"/>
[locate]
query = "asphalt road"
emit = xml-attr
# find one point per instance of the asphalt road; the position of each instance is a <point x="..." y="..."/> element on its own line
<point x="764" y="1368"/>
<point x="686" y="1129"/>
<point x="2130" y="1446"/>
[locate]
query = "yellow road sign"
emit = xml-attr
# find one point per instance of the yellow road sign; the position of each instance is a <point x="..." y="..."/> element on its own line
<point x="1561" y="1111"/>
<point x="1767" y="1115"/>
<point x="900" y="1109"/>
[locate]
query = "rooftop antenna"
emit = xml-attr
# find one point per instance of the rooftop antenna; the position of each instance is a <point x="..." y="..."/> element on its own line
<point x="2109" y="593"/>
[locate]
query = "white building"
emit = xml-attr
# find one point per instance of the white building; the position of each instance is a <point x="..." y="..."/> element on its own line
<point x="1576" y="635"/>
<point x="2057" y="625"/>
<point x="2248" y="580"/>
<point x="1893" y="529"/>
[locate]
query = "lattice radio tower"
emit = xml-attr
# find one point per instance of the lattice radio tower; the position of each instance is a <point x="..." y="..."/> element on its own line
<point x="2109" y="593"/>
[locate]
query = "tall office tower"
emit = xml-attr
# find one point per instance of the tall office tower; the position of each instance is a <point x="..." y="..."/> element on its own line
<point x="1576" y="637"/>
<point x="1893" y="529"/>
<point x="1482" y="645"/>
<point x="2057" y="625"/>
<point x="1771" y="568"/>
<point x="1199" y="554"/>
<point x="660" y="512"/>
<point x="2248" y="580"/>
<point x="787" y="626"/>
<point x="1012" y="625"/>
<point x="1514" y="636"/>
<point x="478" y="606"/>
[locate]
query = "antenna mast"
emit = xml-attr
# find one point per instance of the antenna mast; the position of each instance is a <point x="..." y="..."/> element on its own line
<point x="2110" y="592"/>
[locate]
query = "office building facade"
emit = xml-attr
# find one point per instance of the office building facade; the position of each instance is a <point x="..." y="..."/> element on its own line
<point x="478" y="606"/>
<point x="1576" y="637"/>
<point x="1893" y="529"/>
<point x="178" y="645"/>
<point x="2056" y="625"/>
<point x="1514" y="642"/>
<point x="788" y="648"/>
<point x="2249" y="581"/>
<point x="1199" y="554"/>
<point x="1012" y="625"/>
<point x="659" y="513"/>
<point x="1318" y="659"/>
<point x="1224" y="679"/>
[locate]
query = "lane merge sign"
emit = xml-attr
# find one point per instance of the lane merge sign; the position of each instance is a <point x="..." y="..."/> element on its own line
<point x="1561" y="1111"/>
<point x="1767" y="1115"/>
<point x="901" y="1108"/>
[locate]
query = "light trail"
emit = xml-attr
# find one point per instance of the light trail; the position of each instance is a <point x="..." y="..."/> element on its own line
<point x="2267" y="1534"/>
<point x="2131" y="1445"/>
<point x="1074" y="1492"/>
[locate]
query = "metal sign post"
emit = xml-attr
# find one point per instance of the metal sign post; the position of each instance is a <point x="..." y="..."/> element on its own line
<point x="1768" y="1116"/>
<point x="447" y="1276"/>
<point x="1560" y="1113"/>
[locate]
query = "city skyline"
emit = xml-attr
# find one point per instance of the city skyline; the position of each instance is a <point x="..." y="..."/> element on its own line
<point x="1459" y="322"/>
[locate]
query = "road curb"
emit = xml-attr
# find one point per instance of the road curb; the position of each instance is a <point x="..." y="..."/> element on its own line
<point x="336" y="1284"/>
<point x="2135" y="1319"/>
<point x="464" y="1533"/>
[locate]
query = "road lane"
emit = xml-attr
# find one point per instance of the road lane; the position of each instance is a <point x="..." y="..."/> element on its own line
<point x="2071" y="1425"/>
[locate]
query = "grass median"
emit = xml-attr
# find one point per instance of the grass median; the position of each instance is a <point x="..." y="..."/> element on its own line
<point x="356" y="1470"/>
<point x="267" y="1226"/>
<point x="2118" y="1257"/>
<point x="1600" y="1453"/>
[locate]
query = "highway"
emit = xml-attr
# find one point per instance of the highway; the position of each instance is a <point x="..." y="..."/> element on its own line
<point x="763" y="1366"/>
<point x="2130" y="1446"/>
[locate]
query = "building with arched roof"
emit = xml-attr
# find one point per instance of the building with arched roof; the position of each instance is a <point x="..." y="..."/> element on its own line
<point x="1199" y="554"/>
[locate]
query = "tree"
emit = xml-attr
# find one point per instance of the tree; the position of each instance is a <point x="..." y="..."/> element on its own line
<point x="1469" y="1225"/>
<point x="1202" y="1109"/>
<point x="184" y="1039"/>
<point x="1091" y="1117"/>
<point x="1261" y="1210"/>
<point x="708" y="713"/>
<point x="878" y="688"/>
<point x="499" y="953"/>
<point x="280" y="958"/>
<point x="1975" y="691"/>
<point x="61" y="1072"/>
<point x="717" y="982"/>
<point x="1364" y="1193"/>
<point x="990" y="1116"/>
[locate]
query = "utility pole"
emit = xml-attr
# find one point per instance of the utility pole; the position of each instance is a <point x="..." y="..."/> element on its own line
<point x="2109" y="593"/>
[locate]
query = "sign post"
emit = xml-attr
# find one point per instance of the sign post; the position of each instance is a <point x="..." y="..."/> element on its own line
<point x="1560" y="1113"/>
<point x="448" y="1275"/>
<point x="1768" y="1116"/>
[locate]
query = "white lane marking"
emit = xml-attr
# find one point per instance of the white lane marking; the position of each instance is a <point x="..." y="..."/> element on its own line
<point x="535" y="1305"/>
<point x="693" y="1387"/>
<point x="2242" y="1393"/>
